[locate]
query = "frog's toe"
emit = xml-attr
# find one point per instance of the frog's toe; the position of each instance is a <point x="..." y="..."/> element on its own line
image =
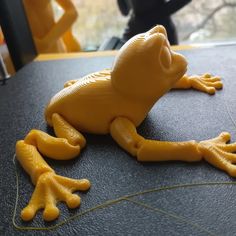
<point x="230" y="148"/>
<point x="73" y="201"/>
<point x="51" y="212"/>
<point x="214" y="84"/>
<point x="207" y="75"/>
<point x="224" y="137"/>
<point x="28" y="213"/>
<point x="69" y="83"/>
<point x="210" y="77"/>
<point x="74" y="184"/>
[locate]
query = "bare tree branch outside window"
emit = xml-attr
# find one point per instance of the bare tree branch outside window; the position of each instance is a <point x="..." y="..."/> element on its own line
<point x="198" y="22"/>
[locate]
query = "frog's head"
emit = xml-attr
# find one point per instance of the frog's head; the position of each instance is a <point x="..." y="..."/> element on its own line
<point x="146" y="66"/>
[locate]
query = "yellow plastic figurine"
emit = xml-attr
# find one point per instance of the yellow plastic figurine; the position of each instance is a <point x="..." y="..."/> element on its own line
<point x="50" y="36"/>
<point x="116" y="101"/>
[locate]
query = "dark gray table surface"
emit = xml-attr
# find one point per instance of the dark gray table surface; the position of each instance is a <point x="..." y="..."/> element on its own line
<point x="180" y="115"/>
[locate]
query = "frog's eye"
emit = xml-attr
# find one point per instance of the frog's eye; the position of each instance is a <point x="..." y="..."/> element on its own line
<point x="165" y="57"/>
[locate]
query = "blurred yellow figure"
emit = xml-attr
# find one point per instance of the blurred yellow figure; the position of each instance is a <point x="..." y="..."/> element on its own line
<point x="1" y="37"/>
<point x="51" y="36"/>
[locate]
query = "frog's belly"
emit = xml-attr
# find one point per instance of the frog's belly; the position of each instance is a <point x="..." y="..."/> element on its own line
<point x="96" y="116"/>
<point x="90" y="120"/>
<point x="93" y="111"/>
<point x="86" y="115"/>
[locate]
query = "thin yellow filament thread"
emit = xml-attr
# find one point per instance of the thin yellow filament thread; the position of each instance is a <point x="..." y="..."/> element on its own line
<point x="116" y="201"/>
<point x="171" y="215"/>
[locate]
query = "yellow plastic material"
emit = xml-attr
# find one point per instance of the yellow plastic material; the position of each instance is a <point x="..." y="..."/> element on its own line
<point x="50" y="36"/>
<point x="116" y="101"/>
<point x="1" y="37"/>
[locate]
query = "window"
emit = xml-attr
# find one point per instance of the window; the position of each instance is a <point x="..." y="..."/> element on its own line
<point x="199" y="22"/>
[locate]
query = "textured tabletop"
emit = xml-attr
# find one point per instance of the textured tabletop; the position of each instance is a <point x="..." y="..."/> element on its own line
<point x="126" y="197"/>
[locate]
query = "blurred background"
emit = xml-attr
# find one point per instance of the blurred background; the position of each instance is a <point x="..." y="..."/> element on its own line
<point x="200" y="21"/>
<point x="88" y="25"/>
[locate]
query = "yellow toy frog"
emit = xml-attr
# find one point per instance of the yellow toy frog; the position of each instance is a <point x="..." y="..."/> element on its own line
<point x="115" y="101"/>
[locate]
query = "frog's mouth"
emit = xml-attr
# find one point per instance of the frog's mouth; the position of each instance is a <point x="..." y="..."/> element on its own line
<point x="179" y="64"/>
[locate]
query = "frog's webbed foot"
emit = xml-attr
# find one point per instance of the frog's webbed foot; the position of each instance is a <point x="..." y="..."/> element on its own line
<point x="49" y="190"/>
<point x="220" y="154"/>
<point x="205" y="83"/>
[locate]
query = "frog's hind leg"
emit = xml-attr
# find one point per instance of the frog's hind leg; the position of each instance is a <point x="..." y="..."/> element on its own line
<point x="63" y="129"/>
<point x="50" y="187"/>
<point x="55" y="148"/>
<point x="216" y="151"/>
<point x="66" y="145"/>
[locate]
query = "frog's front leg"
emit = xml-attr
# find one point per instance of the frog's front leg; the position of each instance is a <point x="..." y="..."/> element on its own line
<point x="50" y="187"/>
<point x="205" y="83"/>
<point x="215" y="151"/>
